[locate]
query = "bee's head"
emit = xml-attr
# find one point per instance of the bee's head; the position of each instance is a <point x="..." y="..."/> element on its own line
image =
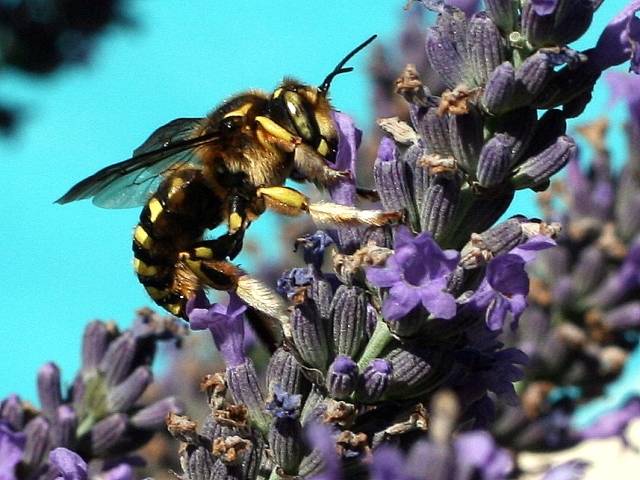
<point x="304" y="110"/>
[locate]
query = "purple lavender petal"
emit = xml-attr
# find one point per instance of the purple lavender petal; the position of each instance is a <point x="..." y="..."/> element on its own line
<point x="479" y="449"/>
<point x="11" y="447"/>
<point x="387" y="464"/>
<point x="344" y="191"/>
<point x="618" y="41"/>
<point x="571" y="470"/>
<point x="614" y="423"/>
<point x="224" y="322"/>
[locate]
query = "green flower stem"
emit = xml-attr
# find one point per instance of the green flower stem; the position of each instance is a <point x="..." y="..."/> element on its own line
<point x="379" y="340"/>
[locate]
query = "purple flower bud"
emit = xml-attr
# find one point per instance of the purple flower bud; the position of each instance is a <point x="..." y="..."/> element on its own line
<point x="342" y="377"/>
<point x="38" y="441"/>
<point x="536" y="170"/>
<point x="499" y="239"/>
<point x="389" y="176"/>
<point x="480" y="214"/>
<point x="499" y="90"/>
<point x="419" y="179"/>
<point x="466" y="133"/>
<point x="433" y="128"/>
<point x="532" y="76"/>
<point x="486" y="47"/>
<point x="286" y="444"/>
<point x="517" y="127"/>
<point x="495" y="160"/>
<point x="589" y="270"/>
<point x="348" y="317"/>
<point x="198" y="463"/>
<point x="63" y="431"/>
<point x="117" y="362"/>
<point x="284" y="370"/>
<point x="308" y="332"/>
<point x="12" y="412"/>
<point x="440" y="204"/>
<point x="564" y="293"/>
<point x="446" y="46"/>
<point x="153" y="417"/>
<point x="107" y="434"/>
<point x="375" y="380"/>
<point x="568" y="88"/>
<point x="49" y="392"/>
<point x="95" y="341"/>
<point x="80" y="390"/>
<point x="245" y="388"/>
<point x="624" y="317"/>
<point x="619" y="283"/>
<point x="379" y="236"/>
<point x="503" y="13"/>
<point x="555" y="23"/>
<point x="122" y="397"/>
<point x="551" y="125"/>
<point x="416" y="371"/>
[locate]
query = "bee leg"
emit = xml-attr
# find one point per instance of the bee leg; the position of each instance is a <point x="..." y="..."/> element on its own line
<point x="313" y="167"/>
<point x="288" y="201"/>
<point x="208" y="261"/>
<point x="266" y="313"/>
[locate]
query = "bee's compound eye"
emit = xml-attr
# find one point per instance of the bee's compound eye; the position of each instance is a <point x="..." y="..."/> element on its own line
<point x="300" y="116"/>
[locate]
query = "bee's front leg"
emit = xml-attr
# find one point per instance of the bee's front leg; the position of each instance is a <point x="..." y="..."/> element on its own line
<point x="288" y="201"/>
<point x="312" y="167"/>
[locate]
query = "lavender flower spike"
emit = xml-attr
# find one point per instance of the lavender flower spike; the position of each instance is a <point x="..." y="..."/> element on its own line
<point x="416" y="274"/>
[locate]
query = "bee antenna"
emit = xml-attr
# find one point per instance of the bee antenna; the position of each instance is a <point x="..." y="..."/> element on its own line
<point x="324" y="88"/>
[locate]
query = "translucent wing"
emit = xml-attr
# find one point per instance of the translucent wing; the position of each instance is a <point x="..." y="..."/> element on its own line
<point x="131" y="182"/>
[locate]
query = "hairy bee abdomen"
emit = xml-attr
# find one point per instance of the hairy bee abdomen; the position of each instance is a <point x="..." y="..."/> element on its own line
<point x="172" y="221"/>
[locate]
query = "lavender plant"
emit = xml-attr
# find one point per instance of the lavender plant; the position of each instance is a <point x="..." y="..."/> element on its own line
<point x="410" y="310"/>
<point x="100" y="420"/>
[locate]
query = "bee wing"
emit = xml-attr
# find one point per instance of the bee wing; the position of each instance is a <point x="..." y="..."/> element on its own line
<point x="131" y="182"/>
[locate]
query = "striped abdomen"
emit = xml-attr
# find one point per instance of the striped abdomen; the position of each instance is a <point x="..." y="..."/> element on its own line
<point x="173" y="220"/>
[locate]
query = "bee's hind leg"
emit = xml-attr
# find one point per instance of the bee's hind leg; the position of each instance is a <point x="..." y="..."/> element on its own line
<point x="208" y="261"/>
<point x="267" y="312"/>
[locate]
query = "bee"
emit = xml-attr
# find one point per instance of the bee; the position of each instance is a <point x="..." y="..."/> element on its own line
<point x="195" y="174"/>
